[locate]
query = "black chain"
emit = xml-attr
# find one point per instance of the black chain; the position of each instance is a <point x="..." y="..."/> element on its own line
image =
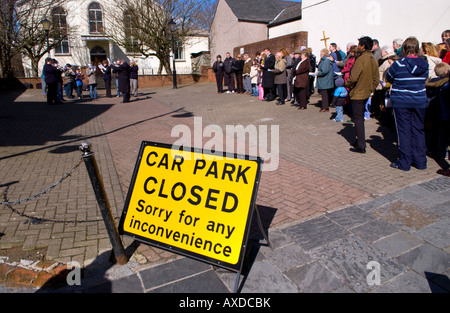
<point x="43" y="192"/>
<point x="38" y="220"/>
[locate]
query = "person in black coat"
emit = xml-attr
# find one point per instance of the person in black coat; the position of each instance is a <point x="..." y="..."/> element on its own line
<point x="124" y="79"/>
<point x="106" y="70"/>
<point x="228" y="66"/>
<point x="218" y="70"/>
<point x="268" y="82"/>
<point x="238" y="71"/>
<point x="52" y="75"/>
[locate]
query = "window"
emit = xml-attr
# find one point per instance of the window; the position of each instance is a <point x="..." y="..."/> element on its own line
<point x="59" y="23"/>
<point x="95" y="18"/>
<point x="131" y="42"/>
<point x="179" y="51"/>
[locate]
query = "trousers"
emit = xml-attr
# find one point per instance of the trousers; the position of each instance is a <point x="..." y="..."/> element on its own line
<point x="134" y="86"/>
<point x="219" y="81"/>
<point x="229" y="81"/>
<point x="300" y="96"/>
<point x="108" y="87"/>
<point x="411" y="138"/>
<point x="248" y="84"/>
<point x="327" y="96"/>
<point x="52" y="93"/>
<point x="358" y="109"/>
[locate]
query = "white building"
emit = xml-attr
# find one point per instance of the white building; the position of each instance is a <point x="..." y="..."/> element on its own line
<point x="241" y="22"/>
<point x="85" y="20"/>
<point x="344" y="21"/>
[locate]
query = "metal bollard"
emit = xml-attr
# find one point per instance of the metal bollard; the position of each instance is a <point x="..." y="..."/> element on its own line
<point x="103" y="202"/>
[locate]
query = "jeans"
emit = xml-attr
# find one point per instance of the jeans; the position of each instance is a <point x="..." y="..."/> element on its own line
<point x="68" y="87"/>
<point x="134" y="86"/>
<point x="44" y="87"/>
<point x="340" y="114"/>
<point x="247" y="84"/>
<point x="117" y="84"/>
<point x="93" y="91"/>
<point x="79" y="91"/>
<point x="59" y="91"/>
<point x="255" y="90"/>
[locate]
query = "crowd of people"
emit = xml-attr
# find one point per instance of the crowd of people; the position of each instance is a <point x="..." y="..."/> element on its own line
<point x="56" y="79"/>
<point x="405" y="85"/>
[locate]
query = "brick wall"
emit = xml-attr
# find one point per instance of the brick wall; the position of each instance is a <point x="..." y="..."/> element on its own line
<point x="290" y="42"/>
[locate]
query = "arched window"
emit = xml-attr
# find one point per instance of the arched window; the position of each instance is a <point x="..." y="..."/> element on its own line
<point x="95" y="18"/>
<point x="131" y="42"/>
<point x="59" y="22"/>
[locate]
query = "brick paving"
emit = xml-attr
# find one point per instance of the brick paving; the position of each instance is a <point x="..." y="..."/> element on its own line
<point x="316" y="175"/>
<point x="39" y="144"/>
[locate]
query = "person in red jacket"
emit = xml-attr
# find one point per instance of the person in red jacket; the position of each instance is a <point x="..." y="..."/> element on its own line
<point x="447" y="56"/>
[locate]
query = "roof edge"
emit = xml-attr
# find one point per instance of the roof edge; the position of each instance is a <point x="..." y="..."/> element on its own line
<point x="276" y="23"/>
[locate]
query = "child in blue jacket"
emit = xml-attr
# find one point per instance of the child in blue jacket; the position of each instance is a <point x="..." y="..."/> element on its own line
<point x="340" y="94"/>
<point x="79" y="81"/>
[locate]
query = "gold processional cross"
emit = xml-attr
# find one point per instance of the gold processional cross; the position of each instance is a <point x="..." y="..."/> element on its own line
<point x="325" y="38"/>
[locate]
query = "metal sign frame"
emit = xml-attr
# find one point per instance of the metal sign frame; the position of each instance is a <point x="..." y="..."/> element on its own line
<point x="220" y="263"/>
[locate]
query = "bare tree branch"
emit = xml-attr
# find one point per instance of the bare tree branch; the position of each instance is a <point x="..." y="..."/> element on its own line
<point x="32" y="39"/>
<point x="146" y="25"/>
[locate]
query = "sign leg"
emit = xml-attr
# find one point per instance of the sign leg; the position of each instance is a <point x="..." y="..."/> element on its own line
<point x="261" y="228"/>
<point x="236" y="283"/>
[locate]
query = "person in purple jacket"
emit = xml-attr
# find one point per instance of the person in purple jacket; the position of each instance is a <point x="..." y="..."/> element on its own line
<point x="409" y="101"/>
<point x="52" y="76"/>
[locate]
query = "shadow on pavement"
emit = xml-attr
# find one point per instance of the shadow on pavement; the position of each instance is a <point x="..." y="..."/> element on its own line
<point x="385" y="144"/>
<point x="438" y="283"/>
<point x="37" y="124"/>
<point x="94" y="278"/>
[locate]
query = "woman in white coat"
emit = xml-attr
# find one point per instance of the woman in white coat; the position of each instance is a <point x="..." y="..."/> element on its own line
<point x="431" y="54"/>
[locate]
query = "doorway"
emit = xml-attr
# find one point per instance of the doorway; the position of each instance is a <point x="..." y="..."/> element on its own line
<point x="98" y="54"/>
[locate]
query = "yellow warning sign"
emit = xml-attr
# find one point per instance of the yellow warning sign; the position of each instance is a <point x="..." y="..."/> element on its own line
<point x="192" y="203"/>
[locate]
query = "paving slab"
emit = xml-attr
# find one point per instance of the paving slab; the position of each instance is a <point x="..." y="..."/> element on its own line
<point x="314" y="278"/>
<point x="426" y="259"/>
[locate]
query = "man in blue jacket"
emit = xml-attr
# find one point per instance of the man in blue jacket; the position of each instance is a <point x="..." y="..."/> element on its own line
<point x="409" y="101"/>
